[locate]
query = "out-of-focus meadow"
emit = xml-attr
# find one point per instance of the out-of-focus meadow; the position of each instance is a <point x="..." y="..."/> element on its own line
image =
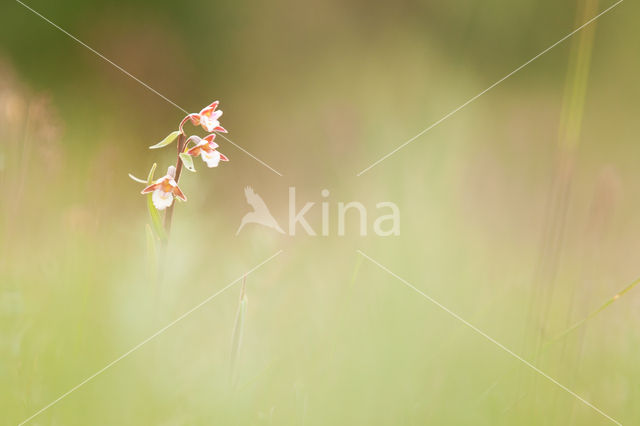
<point x="518" y="213"/>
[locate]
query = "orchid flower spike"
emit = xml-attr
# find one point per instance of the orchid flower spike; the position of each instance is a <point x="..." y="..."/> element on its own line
<point x="206" y="148"/>
<point x="207" y="118"/>
<point x="164" y="189"/>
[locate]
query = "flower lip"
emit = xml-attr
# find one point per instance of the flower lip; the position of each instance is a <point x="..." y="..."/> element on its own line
<point x="178" y="193"/>
<point x="161" y="200"/>
<point x="212" y="157"/>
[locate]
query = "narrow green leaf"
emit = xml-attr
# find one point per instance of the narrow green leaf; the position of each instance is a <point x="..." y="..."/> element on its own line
<point x="151" y="172"/>
<point x="155" y="219"/>
<point x="593" y="313"/>
<point x="166" y="141"/>
<point x="187" y="160"/>
<point x="152" y="254"/>
<point x="238" y="331"/>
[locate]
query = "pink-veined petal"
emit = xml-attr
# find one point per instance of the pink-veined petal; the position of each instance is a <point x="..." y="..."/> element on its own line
<point x="210" y="143"/>
<point x="220" y="129"/>
<point x="150" y="188"/>
<point x="212" y="106"/>
<point x="195" y="151"/>
<point x="207" y="112"/>
<point x="178" y="193"/>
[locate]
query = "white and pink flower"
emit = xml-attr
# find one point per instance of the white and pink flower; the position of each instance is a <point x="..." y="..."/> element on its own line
<point x="208" y="118"/>
<point x="163" y="190"/>
<point x="206" y="149"/>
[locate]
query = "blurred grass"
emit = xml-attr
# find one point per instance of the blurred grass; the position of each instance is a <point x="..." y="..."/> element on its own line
<point x="319" y="91"/>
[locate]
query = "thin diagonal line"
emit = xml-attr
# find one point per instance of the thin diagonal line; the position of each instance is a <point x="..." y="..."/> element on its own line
<point x="249" y="154"/>
<point x="488" y="88"/>
<point x="140" y="81"/>
<point x="486" y="336"/>
<point x="139" y="345"/>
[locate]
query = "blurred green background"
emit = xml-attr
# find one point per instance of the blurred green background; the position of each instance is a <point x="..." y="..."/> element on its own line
<point x="519" y="213"/>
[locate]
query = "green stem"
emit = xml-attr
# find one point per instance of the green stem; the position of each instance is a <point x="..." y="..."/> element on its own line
<point x="592" y="314"/>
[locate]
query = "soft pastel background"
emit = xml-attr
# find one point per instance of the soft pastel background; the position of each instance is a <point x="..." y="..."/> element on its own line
<point x="519" y="213"/>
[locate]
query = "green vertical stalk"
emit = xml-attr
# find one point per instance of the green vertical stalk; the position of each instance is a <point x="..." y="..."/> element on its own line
<point x="238" y="330"/>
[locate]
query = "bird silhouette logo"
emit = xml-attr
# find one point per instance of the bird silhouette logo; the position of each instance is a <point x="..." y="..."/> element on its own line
<point x="260" y="214"/>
